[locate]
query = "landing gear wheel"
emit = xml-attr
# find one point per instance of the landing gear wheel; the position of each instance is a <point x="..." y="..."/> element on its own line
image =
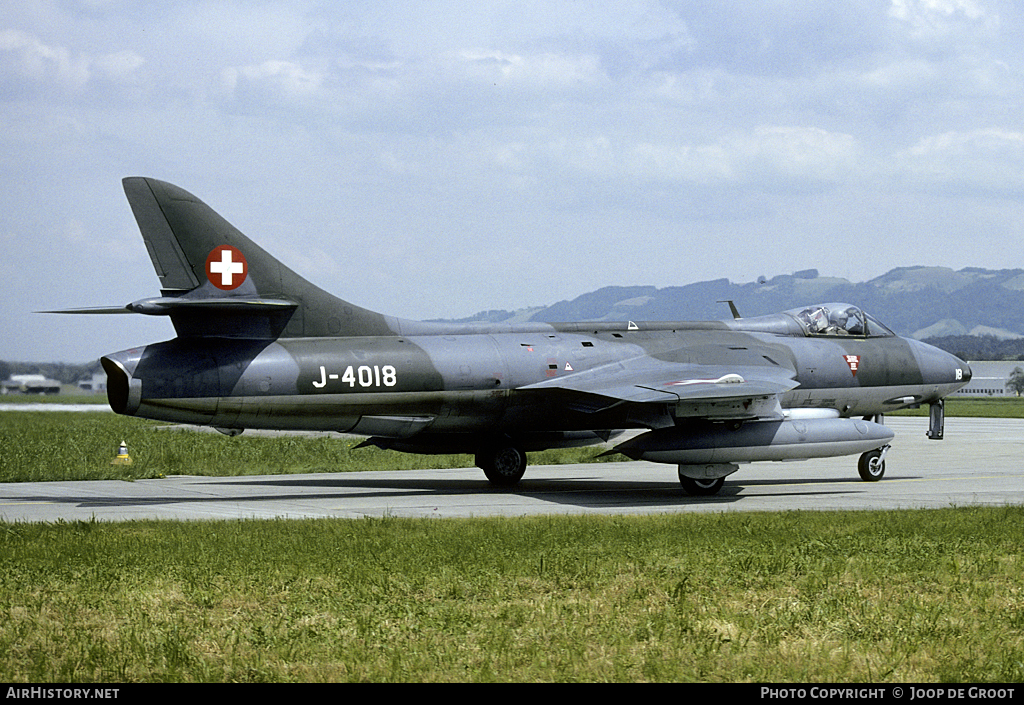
<point x="701" y="488"/>
<point x="503" y="466"/>
<point x="871" y="466"/>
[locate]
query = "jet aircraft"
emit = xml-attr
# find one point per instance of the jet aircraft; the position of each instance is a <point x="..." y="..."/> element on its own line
<point x="259" y="347"/>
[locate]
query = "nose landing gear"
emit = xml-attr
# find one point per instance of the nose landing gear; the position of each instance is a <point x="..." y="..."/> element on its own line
<point x="871" y="465"/>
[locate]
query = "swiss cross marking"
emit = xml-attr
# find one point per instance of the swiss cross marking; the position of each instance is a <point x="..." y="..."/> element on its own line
<point x="853" y="361"/>
<point x="226" y="267"/>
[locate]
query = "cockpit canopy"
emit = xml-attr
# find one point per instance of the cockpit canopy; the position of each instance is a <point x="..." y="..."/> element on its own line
<point x="831" y="320"/>
<point x="837" y="320"/>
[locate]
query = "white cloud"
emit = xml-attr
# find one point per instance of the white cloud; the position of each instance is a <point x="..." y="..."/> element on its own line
<point x="635" y="123"/>
<point x="926" y="11"/>
<point x="937" y="20"/>
<point x="29" y="63"/>
<point x="775" y="156"/>
<point x="284" y="79"/>
<point x="901" y="75"/>
<point x="28" y="58"/>
<point x="538" y="70"/>
<point x="992" y="140"/>
<point x="118" y="65"/>
<point x="258" y="29"/>
<point x="801" y="153"/>
<point x="989" y="160"/>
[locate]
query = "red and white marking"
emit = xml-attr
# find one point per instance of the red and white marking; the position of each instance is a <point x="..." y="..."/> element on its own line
<point x="853" y="361"/>
<point x="226" y="267"/>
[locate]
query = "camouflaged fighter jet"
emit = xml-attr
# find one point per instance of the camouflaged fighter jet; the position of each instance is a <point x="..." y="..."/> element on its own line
<point x="259" y="347"/>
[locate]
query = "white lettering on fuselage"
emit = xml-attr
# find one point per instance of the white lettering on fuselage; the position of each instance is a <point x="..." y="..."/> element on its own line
<point x="363" y="376"/>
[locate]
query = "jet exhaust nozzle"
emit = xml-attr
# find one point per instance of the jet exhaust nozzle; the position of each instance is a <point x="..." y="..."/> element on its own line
<point x="124" y="392"/>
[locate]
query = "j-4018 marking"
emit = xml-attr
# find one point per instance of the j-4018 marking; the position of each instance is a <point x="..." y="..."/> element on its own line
<point x="364" y="376"/>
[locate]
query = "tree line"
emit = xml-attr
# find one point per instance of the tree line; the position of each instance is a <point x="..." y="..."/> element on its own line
<point x="980" y="347"/>
<point x="63" y="372"/>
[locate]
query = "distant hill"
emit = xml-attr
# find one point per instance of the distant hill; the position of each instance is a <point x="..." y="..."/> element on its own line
<point x="920" y="302"/>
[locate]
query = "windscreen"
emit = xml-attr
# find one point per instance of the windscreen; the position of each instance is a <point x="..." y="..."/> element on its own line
<point x="837" y="320"/>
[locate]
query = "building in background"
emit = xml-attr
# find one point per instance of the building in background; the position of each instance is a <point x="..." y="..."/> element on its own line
<point x="989" y="379"/>
<point x="96" y="384"/>
<point x="30" y="384"/>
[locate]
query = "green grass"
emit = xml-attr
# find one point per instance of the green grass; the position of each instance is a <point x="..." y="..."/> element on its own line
<point x="71" y="397"/>
<point x="52" y="445"/>
<point x="37" y="446"/>
<point x="982" y="407"/>
<point x="915" y="596"/>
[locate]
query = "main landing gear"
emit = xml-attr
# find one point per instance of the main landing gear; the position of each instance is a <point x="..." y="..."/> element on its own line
<point x="701" y="488"/>
<point x="504" y="464"/>
<point x="705" y="480"/>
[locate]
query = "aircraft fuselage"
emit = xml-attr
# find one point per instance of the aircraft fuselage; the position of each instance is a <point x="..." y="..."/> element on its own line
<point x="471" y="382"/>
<point x="260" y="347"/>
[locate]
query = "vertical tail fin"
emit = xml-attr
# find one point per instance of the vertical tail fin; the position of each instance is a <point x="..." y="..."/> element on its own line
<point x="221" y="284"/>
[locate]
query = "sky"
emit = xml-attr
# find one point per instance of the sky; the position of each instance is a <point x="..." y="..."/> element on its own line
<point x="432" y="159"/>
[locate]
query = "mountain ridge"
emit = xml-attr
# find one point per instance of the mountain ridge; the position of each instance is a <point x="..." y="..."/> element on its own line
<point x="919" y="302"/>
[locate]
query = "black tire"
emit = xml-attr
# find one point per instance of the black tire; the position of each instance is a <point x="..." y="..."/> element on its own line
<point x="503" y="466"/>
<point x="701" y="488"/>
<point x="871" y="466"/>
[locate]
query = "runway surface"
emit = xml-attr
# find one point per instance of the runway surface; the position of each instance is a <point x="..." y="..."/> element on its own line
<point x="980" y="462"/>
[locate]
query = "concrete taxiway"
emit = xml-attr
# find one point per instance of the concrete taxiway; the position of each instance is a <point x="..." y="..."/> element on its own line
<point x="981" y="462"/>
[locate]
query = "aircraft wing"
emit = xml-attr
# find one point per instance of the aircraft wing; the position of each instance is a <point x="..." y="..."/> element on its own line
<point x="699" y="391"/>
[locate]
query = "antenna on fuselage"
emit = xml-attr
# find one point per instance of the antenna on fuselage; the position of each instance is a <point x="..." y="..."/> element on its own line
<point x="732" y="307"/>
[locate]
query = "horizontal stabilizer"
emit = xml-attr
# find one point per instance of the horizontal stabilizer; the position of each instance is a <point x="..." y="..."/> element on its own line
<point x="93" y="310"/>
<point x="166" y="305"/>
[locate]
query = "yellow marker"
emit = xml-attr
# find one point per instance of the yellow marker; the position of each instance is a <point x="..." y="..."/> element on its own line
<point x="122" y="455"/>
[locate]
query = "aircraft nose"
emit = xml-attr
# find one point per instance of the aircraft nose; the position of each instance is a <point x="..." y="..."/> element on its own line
<point x="967" y="374"/>
<point x="942" y="368"/>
